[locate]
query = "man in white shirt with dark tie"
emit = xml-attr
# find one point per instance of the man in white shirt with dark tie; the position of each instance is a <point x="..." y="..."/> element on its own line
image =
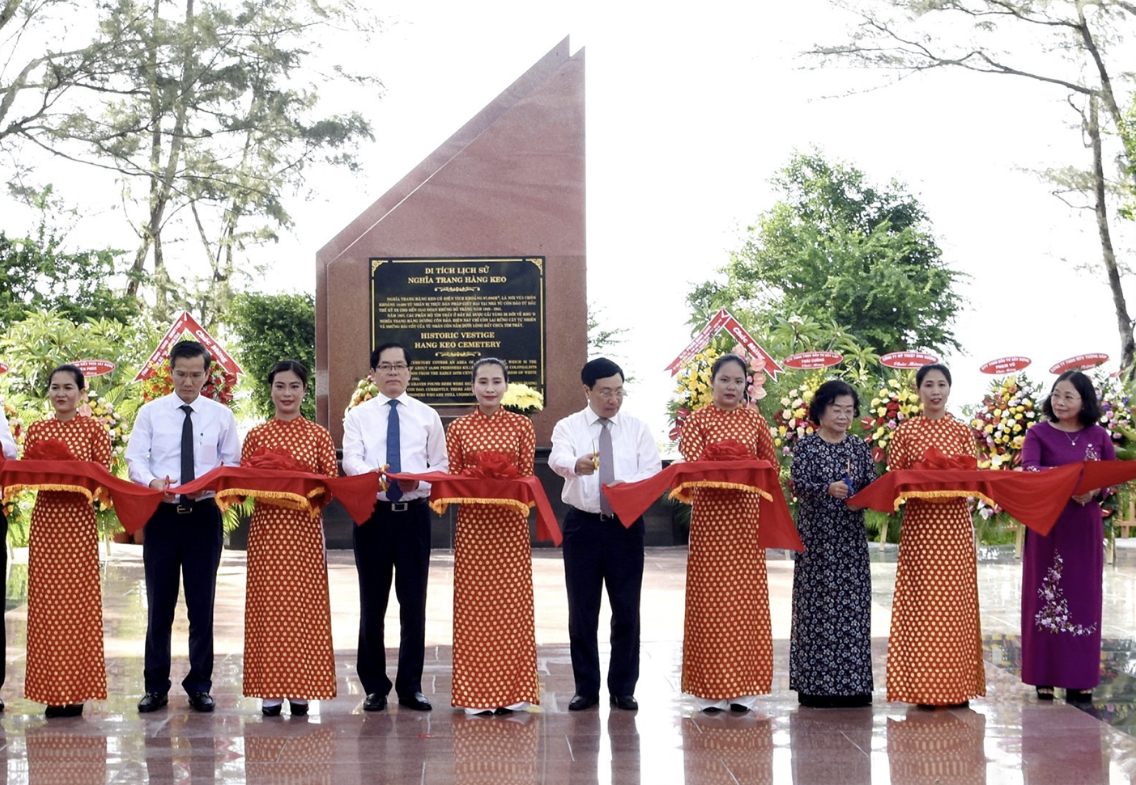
<point x="596" y="446"/>
<point x="175" y="440"/>
<point x="8" y="443"/>
<point x="393" y="432"/>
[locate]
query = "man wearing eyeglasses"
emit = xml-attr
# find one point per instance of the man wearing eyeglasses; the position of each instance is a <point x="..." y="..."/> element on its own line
<point x="396" y="433"/>
<point x="601" y="445"/>
<point x="176" y="439"/>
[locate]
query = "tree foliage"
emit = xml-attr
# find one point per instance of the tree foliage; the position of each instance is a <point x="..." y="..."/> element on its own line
<point x="270" y="328"/>
<point x="842" y="252"/>
<point x="209" y="113"/>
<point x="37" y="274"/>
<point x="1080" y="48"/>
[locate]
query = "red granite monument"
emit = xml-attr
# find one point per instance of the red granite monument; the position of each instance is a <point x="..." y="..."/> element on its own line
<point x="478" y="251"/>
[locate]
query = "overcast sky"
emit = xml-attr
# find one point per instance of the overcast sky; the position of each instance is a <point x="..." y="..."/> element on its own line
<point x="689" y="113"/>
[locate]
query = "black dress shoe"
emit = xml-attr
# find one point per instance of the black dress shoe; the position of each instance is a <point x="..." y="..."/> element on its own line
<point x="73" y="710"/>
<point x="417" y="701"/>
<point x="374" y="702"/>
<point x="625" y="702"/>
<point x="200" y="701"/>
<point x="1" y="704"/>
<point x="152" y="701"/>
<point x="271" y="711"/>
<point x="298" y="709"/>
<point x="581" y="702"/>
<point x="502" y="711"/>
<point x="738" y="708"/>
<point x="52" y="712"/>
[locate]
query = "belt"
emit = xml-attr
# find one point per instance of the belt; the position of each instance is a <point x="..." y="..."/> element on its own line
<point x="398" y="506"/>
<point x="600" y="516"/>
<point x="185" y="508"/>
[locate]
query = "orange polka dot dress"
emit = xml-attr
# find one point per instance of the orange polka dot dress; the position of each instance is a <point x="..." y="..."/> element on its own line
<point x="935" y="648"/>
<point x="288" y="647"/>
<point x="728" y="641"/>
<point x="494" y="632"/>
<point x="65" y="607"/>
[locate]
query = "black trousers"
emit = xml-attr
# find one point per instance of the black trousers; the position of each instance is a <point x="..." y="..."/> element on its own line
<point x="181" y="548"/>
<point x="599" y="552"/>
<point x="393" y="543"/>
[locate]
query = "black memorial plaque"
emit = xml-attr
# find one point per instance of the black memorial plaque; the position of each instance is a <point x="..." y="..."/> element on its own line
<point x="451" y="312"/>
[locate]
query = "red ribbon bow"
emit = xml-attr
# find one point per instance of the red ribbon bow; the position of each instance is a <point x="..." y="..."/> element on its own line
<point x="267" y="458"/>
<point x="726" y="450"/>
<point x="934" y="458"/>
<point x="492" y="466"/>
<point x="49" y="450"/>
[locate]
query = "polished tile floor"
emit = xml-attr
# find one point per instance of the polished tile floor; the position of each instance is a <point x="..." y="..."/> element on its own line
<point x="1008" y="737"/>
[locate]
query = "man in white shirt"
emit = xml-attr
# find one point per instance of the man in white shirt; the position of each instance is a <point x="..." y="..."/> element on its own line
<point x="176" y="439"/>
<point x="595" y="446"/>
<point x="9" y="447"/>
<point x="394" y="432"/>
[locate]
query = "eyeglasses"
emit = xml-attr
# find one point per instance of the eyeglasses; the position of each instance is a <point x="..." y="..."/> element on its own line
<point x="609" y="394"/>
<point x="388" y="367"/>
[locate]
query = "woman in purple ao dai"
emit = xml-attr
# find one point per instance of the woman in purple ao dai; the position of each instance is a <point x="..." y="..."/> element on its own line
<point x="1062" y="573"/>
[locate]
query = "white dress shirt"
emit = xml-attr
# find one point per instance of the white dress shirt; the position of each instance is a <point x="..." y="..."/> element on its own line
<point x="6" y="440"/>
<point x="154" y="449"/>
<point x="578" y="435"/>
<point x="421" y="440"/>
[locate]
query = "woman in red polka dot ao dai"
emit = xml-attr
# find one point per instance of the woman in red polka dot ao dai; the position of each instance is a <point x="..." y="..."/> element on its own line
<point x="494" y="631"/>
<point x="288" y="648"/>
<point x="65" y="664"/>
<point x="727" y="655"/>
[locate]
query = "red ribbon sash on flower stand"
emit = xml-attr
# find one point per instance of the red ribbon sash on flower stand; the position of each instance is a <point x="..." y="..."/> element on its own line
<point x="631" y="499"/>
<point x="1034" y="498"/>
<point x="478" y="485"/>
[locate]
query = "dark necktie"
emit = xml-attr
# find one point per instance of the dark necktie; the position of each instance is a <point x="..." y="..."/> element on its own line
<point x="187" y="474"/>
<point x="607" y="464"/>
<point x="394" y="449"/>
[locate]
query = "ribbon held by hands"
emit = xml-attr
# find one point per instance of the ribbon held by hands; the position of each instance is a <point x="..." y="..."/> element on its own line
<point x="776" y="530"/>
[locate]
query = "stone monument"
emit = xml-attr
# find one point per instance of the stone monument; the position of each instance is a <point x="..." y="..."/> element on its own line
<point x="479" y="250"/>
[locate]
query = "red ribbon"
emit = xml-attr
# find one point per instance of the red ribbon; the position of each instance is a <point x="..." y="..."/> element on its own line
<point x="726" y="450"/>
<point x="492" y="466"/>
<point x="49" y="450"/>
<point x="630" y="500"/>
<point x="935" y="459"/>
<point x="448" y="489"/>
<point x="268" y="458"/>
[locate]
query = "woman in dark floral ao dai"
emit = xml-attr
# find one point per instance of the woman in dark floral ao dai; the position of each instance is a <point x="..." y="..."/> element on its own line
<point x="830" y="661"/>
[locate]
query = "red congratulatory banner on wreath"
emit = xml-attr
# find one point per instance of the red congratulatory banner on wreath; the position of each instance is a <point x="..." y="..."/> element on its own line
<point x="1005" y="365"/>
<point x="1080" y="362"/>
<point x="810" y="361"/>
<point x="185" y="326"/>
<point x="908" y="359"/>
<point x="94" y="367"/>
<point x="725" y="321"/>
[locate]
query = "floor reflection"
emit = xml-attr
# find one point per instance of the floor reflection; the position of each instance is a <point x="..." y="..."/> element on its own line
<point x="937" y="745"/>
<point x="493" y="749"/>
<point x="831" y="745"/>
<point x="73" y="756"/>
<point x="1008" y="737"/>
<point x="728" y="748"/>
